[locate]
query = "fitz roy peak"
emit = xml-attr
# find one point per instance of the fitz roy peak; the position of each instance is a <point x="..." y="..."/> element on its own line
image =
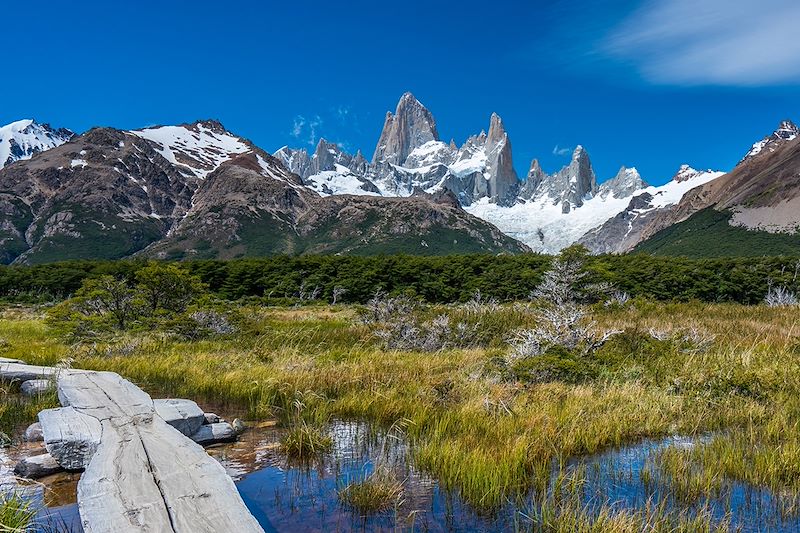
<point x="198" y="191"/>
<point x="545" y="211"/>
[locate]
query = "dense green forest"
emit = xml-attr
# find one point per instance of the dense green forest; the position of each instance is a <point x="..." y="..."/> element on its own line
<point x="708" y="233"/>
<point x="435" y="279"/>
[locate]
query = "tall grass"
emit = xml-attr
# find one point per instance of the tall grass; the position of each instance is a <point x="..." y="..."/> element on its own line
<point x="16" y="513"/>
<point x="489" y="439"/>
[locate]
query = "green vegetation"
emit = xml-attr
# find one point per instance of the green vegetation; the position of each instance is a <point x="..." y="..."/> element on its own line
<point x="376" y="492"/>
<point x="16" y="513"/>
<point x="490" y="395"/>
<point x="281" y="280"/>
<point x="16" y="411"/>
<point x="708" y="233"/>
<point x="304" y="441"/>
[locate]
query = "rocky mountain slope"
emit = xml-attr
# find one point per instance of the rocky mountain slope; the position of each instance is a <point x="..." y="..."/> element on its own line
<point x="197" y="190"/>
<point x="761" y="194"/>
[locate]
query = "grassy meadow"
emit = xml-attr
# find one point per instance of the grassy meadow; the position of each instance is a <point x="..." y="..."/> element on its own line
<point x="728" y="370"/>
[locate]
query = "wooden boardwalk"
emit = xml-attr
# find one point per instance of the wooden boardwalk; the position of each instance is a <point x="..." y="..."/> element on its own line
<point x="141" y="474"/>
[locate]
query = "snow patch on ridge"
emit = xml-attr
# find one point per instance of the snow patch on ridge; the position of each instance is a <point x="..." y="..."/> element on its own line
<point x="196" y="148"/>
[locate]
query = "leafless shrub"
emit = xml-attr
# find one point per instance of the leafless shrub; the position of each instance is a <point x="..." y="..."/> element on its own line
<point x="213" y="322"/>
<point x="431" y="336"/>
<point x="384" y="308"/>
<point x="304" y="294"/>
<point x="691" y="339"/>
<point x="338" y="292"/>
<point x="123" y="348"/>
<point x="620" y="298"/>
<point x="562" y="321"/>
<point x="780" y="296"/>
<point x="479" y="303"/>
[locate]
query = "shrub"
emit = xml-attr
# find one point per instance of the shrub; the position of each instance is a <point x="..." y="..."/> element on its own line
<point x="557" y="364"/>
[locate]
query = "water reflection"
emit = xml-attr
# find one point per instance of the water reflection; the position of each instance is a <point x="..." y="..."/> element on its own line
<point x="285" y="496"/>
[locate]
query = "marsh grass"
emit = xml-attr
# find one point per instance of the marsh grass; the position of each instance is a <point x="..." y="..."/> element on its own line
<point x="568" y="517"/>
<point x="489" y="439"/>
<point x="376" y="492"/>
<point x="16" y="410"/>
<point x="16" y="513"/>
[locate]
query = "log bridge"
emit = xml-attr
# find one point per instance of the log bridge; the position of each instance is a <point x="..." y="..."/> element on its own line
<point x="143" y="468"/>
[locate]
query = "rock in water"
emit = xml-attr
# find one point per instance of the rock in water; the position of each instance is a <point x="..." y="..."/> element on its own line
<point x="70" y="437"/>
<point x="37" y="466"/>
<point x="183" y="415"/>
<point x="211" y="418"/>
<point x="214" y="433"/>
<point x="238" y="426"/>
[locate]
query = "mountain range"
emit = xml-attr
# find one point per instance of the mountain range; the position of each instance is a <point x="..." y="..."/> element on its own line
<point x="199" y="191"/>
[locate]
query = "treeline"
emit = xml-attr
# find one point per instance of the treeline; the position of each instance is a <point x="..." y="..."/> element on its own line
<point x="434" y="279"/>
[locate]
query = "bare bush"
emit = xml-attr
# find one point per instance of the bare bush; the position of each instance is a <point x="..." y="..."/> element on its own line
<point x="479" y="303"/>
<point x="562" y="321"/>
<point x="400" y="327"/>
<point x="430" y="336"/>
<point x="338" y="292"/>
<point x="620" y="298"/>
<point x="212" y="322"/>
<point x="692" y="339"/>
<point x="780" y="296"/>
<point x="383" y="308"/>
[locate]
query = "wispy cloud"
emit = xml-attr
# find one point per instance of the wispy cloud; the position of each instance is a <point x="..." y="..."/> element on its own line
<point x="306" y="129"/>
<point x="712" y="42"/>
<point x="561" y="151"/>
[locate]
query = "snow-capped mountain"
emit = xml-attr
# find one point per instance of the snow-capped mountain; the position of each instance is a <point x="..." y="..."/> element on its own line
<point x="24" y="138"/>
<point x="198" y="148"/>
<point x="786" y="131"/>
<point x="545" y="211"/>
<point x="623" y="230"/>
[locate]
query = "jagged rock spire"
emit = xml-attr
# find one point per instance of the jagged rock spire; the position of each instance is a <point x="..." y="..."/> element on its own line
<point x="625" y="183"/>
<point x="503" y="180"/>
<point x="411" y="126"/>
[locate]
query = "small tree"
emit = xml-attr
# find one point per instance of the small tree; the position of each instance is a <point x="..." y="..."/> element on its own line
<point x="168" y="287"/>
<point x="108" y="295"/>
<point x="562" y="320"/>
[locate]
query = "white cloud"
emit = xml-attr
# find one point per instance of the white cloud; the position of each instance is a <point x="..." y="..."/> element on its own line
<point x="711" y="42"/>
<point x="306" y="128"/>
<point x="561" y="151"/>
<point x="297" y="128"/>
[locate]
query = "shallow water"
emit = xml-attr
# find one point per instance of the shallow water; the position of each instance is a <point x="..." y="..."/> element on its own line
<point x="303" y="498"/>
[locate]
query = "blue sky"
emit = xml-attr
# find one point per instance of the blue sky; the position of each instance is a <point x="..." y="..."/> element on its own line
<point x="646" y="83"/>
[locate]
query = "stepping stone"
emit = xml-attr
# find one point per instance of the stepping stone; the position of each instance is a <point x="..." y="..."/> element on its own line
<point x="214" y="434"/>
<point x="37" y="466"/>
<point x="35" y="387"/>
<point x="183" y="415"/>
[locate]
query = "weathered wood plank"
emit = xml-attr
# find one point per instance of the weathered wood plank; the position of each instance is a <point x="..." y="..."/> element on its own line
<point x="146" y="475"/>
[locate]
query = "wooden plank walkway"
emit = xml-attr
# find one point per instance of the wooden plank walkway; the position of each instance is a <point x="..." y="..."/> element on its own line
<point x="144" y="475"/>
